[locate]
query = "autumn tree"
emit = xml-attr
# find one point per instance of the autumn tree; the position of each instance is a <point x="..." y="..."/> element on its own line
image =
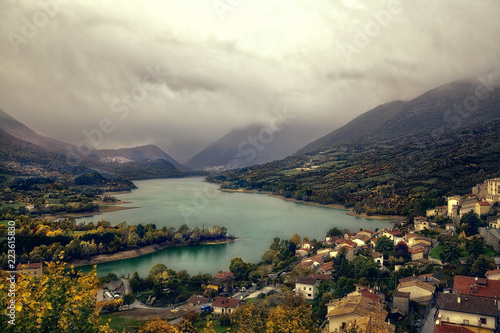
<point x="249" y="319"/>
<point x="58" y="301"/>
<point x="296" y="239"/>
<point x="159" y="326"/>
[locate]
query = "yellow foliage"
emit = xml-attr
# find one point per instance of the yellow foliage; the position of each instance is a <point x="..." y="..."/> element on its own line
<point x="58" y="301"/>
<point x="159" y="326"/>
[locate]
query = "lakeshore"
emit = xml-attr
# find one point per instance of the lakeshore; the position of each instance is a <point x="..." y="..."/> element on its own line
<point x="317" y="204"/>
<point x="109" y="208"/>
<point x="134" y="253"/>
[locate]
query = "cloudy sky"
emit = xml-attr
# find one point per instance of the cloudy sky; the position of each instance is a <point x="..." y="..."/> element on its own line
<point x="181" y="74"/>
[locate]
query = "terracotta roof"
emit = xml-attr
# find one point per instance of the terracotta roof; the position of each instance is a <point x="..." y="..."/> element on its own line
<point x="224" y="275"/>
<point x="495" y="271"/>
<point x="417" y="250"/>
<point x="407" y="279"/>
<point x="483" y="287"/>
<point x="483" y="203"/>
<point x="322" y="277"/>
<point x="306" y="280"/>
<point x="195" y="299"/>
<point x="224" y="302"/>
<point x="417" y="283"/>
<point x="376" y="254"/>
<point x="467" y="304"/>
<point x="368" y="231"/>
<point x="394" y="232"/>
<point x="35" y="265"/>
<point x="217" y="281"/>
<point x="328" y="266"/>
<point x="371" y="296"/>
<point x="359" y="305"/>
<point x="346" y="242"/>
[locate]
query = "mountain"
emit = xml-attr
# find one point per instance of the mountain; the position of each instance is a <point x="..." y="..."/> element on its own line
<point x="18" y="130"/>
<point x="23" y="150"/>
<point x="140" y="153"/>
<point x="440" y="109"/>
<point x="399" y="158"/>
<point x="254" y="144"/>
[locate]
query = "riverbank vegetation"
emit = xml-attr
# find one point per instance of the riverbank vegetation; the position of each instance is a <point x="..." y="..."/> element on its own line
<point x="42" y="240"/>
<point x="403" y="176"/>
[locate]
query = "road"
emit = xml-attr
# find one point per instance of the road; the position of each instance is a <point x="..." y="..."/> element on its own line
<point x="429" y="322"/>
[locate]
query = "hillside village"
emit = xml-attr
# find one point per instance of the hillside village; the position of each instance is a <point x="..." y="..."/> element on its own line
<point x="435" y="273"/>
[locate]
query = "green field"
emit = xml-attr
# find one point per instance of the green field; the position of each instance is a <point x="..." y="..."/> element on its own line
<point x="119" y="323"/>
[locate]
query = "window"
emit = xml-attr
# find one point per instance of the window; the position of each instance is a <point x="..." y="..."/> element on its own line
<point x="309" y="288"/>
<point x="483" y="321"/>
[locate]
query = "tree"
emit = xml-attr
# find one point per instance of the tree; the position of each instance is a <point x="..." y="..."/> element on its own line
<point x="249" y="318"/>
<point x="239" y="268"/>
<point x="156" y="270"/>
<point x="296" y="239"/>
<point x="384" y="245"/>
<point x="57" y="301"/>
<point x="481" y="265"/>
<point x="294" y="315"/>
<point x="334" y="232"/>
<point x="470" y="223"/>
<point x="401" y="251"/>
<point x="159" y="326"/>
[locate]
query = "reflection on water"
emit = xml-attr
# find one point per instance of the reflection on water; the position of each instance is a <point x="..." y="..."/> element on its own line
<point x="254" y="218"/>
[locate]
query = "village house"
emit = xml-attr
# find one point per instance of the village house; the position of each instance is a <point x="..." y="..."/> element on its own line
<point x="494" y="222"/>
<point x="453" y="206"/>
<point x="420" y="292"/>
<point x="326" y="268"/>
<point x="361" y="240"/>
<point x="482" y="207"/>
<point x="364" y="290"/>
<point x="221" y="282"/>
<point x="306" y="286"/>
<point x="196" y="300"/>
<point x="395" y="235"/>
<point x="33" y="269"/>
<point x="468" y="205"/>
<point x="417" y="252"/>
<point x="489" y="190"/>
<point x="479" y="287"/>
<point x="437" y="211"/>
<point x="224" y="305"/>
<point x="401" y="303"/>
<point x="467" y="311"/>
<point x="361" y="309"/>
<point x="493" y="275"/>
<point x="365" y="233"/>
<point x="451" y="226"/>
<point x="421" y="223"/>
<point x="378" y="258"/>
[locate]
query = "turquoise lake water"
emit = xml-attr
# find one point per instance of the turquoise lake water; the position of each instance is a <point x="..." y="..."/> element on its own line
<point x="254" y="218"/>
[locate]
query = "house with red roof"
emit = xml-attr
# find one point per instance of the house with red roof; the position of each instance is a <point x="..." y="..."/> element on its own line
<point x="479" y="287"/>
<point x="225" y="305"/>
<point x="493" y="275"/>
<point x="395" y="235"/>
<point x="33" y="269"/>
<point x="482" y="207"/>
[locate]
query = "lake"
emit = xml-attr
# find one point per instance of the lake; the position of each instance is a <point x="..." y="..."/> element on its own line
<point x="252" y="217"/>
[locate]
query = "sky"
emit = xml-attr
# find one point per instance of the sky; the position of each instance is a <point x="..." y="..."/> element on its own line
<point x="181" y="74"/>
